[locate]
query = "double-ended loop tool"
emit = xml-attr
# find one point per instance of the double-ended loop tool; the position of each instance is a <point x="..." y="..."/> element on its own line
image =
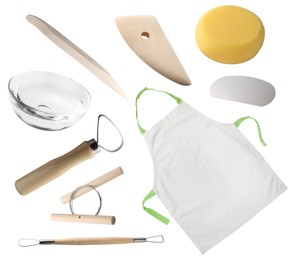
<point x="91" y="241"/>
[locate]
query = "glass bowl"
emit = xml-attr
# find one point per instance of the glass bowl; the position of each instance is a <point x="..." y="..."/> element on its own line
<point x="47" y="100"/>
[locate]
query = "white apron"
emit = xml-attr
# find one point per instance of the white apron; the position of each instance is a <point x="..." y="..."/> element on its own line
<point x="207" y="174"/>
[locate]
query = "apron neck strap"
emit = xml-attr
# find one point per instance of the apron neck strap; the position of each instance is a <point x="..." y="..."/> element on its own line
<point x="178" y="100"/>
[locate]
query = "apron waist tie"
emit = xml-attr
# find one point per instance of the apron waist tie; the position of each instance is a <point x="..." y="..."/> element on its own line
<point x="152" y="212"/>
<point x="152" y="193"/>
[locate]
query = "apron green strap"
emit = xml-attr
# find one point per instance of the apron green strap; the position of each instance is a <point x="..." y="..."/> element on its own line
<point x="178" y="100"/>
<point x="152" y="212"/>
<point x="240" y="120"/>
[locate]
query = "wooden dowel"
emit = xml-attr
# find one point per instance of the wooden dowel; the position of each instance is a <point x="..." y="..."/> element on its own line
<point x="88" y="219"/>
<point x="94" y="183"/>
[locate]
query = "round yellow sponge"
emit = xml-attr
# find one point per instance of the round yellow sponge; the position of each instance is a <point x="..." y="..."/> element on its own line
<point x="229" y="34"/>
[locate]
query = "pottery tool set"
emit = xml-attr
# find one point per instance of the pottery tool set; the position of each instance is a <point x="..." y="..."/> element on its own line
<point x="200" y="164"/>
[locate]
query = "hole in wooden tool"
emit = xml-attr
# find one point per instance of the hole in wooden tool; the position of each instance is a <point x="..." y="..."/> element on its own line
<point x="145" y="35"/>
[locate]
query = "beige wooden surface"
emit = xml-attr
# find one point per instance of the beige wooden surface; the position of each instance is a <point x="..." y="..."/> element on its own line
<point x="146" y="38"/>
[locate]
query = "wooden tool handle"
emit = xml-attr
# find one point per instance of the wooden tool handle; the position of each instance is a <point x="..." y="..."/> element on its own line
<point x="94" y="241"/>
<point x="89" y="219"/>
<point x="54" y="168"/>
<point x="95" y="183"/>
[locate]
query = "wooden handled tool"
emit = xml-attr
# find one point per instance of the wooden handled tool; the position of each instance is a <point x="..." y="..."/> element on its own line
<point x="91" y="241"/>
<point x="89" y="219"/>
<point x="94" y="183"/>
<point x="55" y="167"/>
<point x="60" y="165"/>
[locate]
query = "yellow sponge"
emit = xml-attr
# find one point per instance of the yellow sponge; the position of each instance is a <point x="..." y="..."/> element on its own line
<point x="229" y="34"/>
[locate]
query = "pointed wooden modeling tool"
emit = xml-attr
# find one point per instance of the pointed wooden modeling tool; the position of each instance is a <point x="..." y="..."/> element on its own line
<point x="146" y="38"/>
<point x="74" y="51"/>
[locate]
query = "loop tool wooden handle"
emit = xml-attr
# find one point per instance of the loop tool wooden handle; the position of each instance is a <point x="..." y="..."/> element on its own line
<point x="91" y="241"/>
<point x="60" y="165"/>
<point x="56" y="167"/>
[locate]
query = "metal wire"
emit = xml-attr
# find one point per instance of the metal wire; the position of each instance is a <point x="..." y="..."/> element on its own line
<point x="155" y="239"/>
<point x="27" y="242"/>
<point x="98" y="130"/>
<point x="73" y="196"/>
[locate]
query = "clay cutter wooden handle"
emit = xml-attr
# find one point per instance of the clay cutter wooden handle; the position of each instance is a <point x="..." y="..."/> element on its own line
<point x="89" y="219"/>
<point x="94" y="183"/>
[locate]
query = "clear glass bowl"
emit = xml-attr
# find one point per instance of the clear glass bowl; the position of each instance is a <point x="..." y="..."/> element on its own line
<point x="46" y="100"/>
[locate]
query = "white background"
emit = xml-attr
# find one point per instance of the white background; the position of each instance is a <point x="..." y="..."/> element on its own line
<point x="91" y="25"/>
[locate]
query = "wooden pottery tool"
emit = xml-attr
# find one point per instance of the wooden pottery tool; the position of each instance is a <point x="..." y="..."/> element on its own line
<point x="60" y="165"/>
<point x="79" y="218"/>
<point x="243" y="89"/>
<point x="88" y="219"/>
<point x="94" y="183"/>
<point x="146" y="38"/>
<point x="74" y="51"/>
<point x="91" y="241"/>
